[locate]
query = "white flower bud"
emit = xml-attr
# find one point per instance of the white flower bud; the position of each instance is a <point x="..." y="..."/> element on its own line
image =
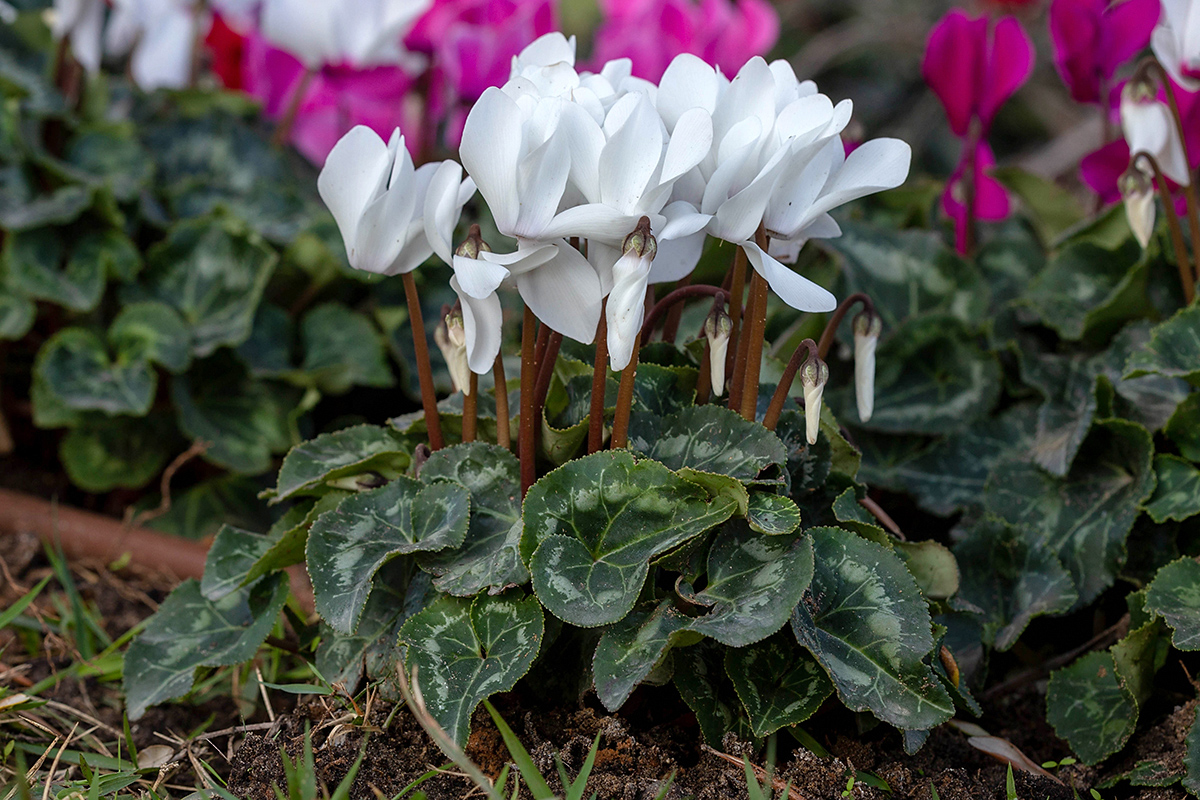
<point x="1137" y="190"/>
<point x="813" y="376"/>
<point x="473" y="245"/>
<point x="867" y="327"/>
<point x="717" y="329"/>
<point x="626" y="308"/>
<point x="451" y="340"/>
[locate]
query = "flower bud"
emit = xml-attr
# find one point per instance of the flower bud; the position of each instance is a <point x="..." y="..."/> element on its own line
<point x="813" y="377"/>
<point x="626" y="306"/>
<point x="641" y="242"/>
<point x="867" y="327"/>
<point x="473" y="245"/>
<point x="717" y="329"/>
<point x="450" y="338"/>
<point x="1137" y="190"/>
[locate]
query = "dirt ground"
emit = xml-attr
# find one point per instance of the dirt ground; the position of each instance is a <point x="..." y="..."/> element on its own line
<point x="653" y="738"/>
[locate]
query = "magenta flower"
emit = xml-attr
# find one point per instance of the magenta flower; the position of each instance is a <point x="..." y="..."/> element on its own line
<point x="1093" y="38"/>
<point x="725" y="33"/>
<point x="974" y="67"/>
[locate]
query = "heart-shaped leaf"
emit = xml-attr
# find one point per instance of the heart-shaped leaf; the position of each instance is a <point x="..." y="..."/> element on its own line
<point x="17" y="313"/>
<point x="467" y="650"/>
<point x="1088" y="290"/>
<point x="358" y="450"/>
<point x="864" y="620"/>
<point x="754" y="582"/>
<point x="343" y="349"/>
<point x="490" y="557"/>
<point x="594" y="524"/>
<point x="1089" y="705"/>
<point x="234" y="551"/>
<point x="779" y="684"/>
<point x="706" y="689"/>
<point x="1184" y="427"/>
<point x="714" y="439"/>
<point x="75" y="367"/>
<point x="1174" y="594"/>
<point x="36" y="265"/>
<point x="348" y="545"/>
<point x="104" y="453"/>
<point x="152" y="332"/>
<point x="629" y="650"/>
<point x="1174" y="349"/>
<point x="772" y="514"/>
<point x="1177" y="492"/>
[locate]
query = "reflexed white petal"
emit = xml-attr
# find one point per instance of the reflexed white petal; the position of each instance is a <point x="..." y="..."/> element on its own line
<point x="677" y="258"/>
<point x="163" y="55"/>
<point x="875" y="166"/>
<point x="87" y="33"/>
<point x="800" y="187"/>
<point x="442" y="209"/>
<point x="823" y="227"/>
<point x="864" y="375"/>
<point x="483" y="325"/>
<point x="354" y="173"/>
<point x="797" y="291"/>
<point x="541" y="179"/>
<point x="717" y="351"/>
<point x="803" y="120"/>
<point x="490" y="149"/>
<point x="384" y="228"/>
<point x="630" y="157"/>
<point x="564" y="293"/>
<point x="842" y="113"/>
<point x="304" y="28"/>
<point x="751" y="95"/>
<point x="1150" y="127"/>
<point x="585" y="141"/>
<point x="786" y="251"/>
<point x="591" y="221"/>
<point x="529" y="255"/>
<point x="787" y="87"/>
<point x="626" y="307"/>
<point x="416" y="250"/>
<point x="8" y="14"/>
<point x="548" y="49"/>
<point x="687" y="83"/>
<point x="733" y="153"/>
<point x="682" y="219"/>
<point x="602" y="257"/>
<point x="690" y="142"/>
<point x="478" y="278"/>
<point x="739" y="217"/>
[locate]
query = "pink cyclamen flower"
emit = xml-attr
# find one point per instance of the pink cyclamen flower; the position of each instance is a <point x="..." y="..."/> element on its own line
<point x="974" y="67"/>
<point x="724" y="33"/>
<point x="1093" y="38"/>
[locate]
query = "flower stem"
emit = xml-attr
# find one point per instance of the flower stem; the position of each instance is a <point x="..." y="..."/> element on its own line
<point x="470" y="418"/>
<point x="802" y="352"/>
<point x="704" y="380"/>
<point x="756" y="329"/>
<point x="737" y="296"/>
<point x="671" y="326"/>
<point x="433" y="421"/>
<point x="503" y="435"/>
<point x="674" y="299"/>
<point x="1186" y="280"/>
<point x="546" y="371"/>
<point x="836" y="320"/>
<point x="527" y="439"/>
<point x="284" y="131"/>
<point x="620" y="429"/>
<point x="599" y="384"/>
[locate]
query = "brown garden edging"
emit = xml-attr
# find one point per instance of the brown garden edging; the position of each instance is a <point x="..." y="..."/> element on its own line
<point x="83" y="534"/>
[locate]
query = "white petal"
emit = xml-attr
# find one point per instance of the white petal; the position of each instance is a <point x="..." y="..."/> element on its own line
<point x="690" y="142"/>
<point x="630" y="158"/>
<point x="304" y="28"/>
<point x="804" y="119"/>
<point x="797" y="291"/>
<point x="1150" y="127"/>
<point x="442" y="209"/>
<point x="677" y="258"/>
<point x="751" y="95"/>
<point x="478" y="278"/>
<point x="564" y="293"/>
<point x="812" y="411"/>
<point x="529" y="255"/>
<point x="682" y="219"/>
<point x="591" y="221"/>
<point x="687" y="83"/>
<point x="385" y="226"/>
<point x="548" y="49"/>
<point x="163" y="56"/>
<point x="483" y="326"/>
<point x="626" y="307"/>
<point x="87" y="34"/>
<point x="864" y="375"/>
<point x="739" y="217"/>
<point x="875" y="166"/>
<point x="355" y="172"/>
<point x="585" y="140"/>
<point x="541" y="180"/>
<point x="800" y="187"/>
<point x="490" y="149"/>
<point x="733" y="153"/>
<point x="1140" y="211"/>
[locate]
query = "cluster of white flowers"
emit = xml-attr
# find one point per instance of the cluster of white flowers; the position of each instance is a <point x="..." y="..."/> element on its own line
<point x="160" y="36"/>
<point x="560" y="154"/>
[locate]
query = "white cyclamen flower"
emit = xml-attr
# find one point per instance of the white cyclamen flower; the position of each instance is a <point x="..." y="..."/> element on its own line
<point x="1137" y="191"/>
<point x="162" y="36"/>
<point x="392" y="217"/>
<point x="867" y="327"/>
<point x="626" y="307"/>
<point x="1176" y="41"/>
<point x="82" y="22"/>
<point x="1149" y="127"/>
<point x="362" y="32"/>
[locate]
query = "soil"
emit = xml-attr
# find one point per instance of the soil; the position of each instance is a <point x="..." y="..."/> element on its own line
<point x="653" y="738"/>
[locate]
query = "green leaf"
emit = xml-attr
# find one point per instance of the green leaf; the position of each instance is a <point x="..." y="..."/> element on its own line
<point x="1089" y="291"/>
<point x="594" y="524"/>
<point x="933" y="565"/>
<point x="778" y="683"/>
<point x="1091" y="708"/>
<point x="244" y="420"/>
<point x="31" y="212"/>
<point x="1174" y="594"/>
<point x="233" y="552"/>
<point x="808" y="465"/>
<point x="663" y="390"/>
<point x="343" y="349"/>
<point x="1139" y="656"/>
<point x="467" y="650"/>
<point x="1063" y="422"/>
<point x="113" y="160"/>
<point x="152" y="332"/>
<point x="1013" y="577"/>
<point x="1084" y="517"/>
<point x="189" y="631"/>
<point x="1184" y="427"/>
<point x="1174" y="349"/>
<point x="290" y="536"/>
<point x="490" y="557"/>
<point x="36" y="265"/>
<point x="105" y="453"/>
<point x="772" y="514"/>
<point x="754" y="582"/>
<point x="17" y="313"/>
<point x="213" y="273"/>
<point x="1053" y="209"/>
<point x="348" y="545"/>
<point x="706" y="689"/>
<point x="712" y="438"/>
<point x="75" y="368"/>
<point x="864" y="620"/>
<point x="932" y="378"/>
<point x="1177" y="492"/>
<point x="359" y="450"/>
<point x="629" y="650"/>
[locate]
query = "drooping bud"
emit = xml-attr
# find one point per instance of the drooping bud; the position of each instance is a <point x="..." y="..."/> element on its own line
<point x="626" y="307"/>
<point x="473" y="245"/>
<point x="867" y="327"/>
<point x="451" y="339"/>
<point x="1149" y="127"/>
<point x="1137" y="190"/>
<point x="813" y="377"/>
<point x="717" y="329"/>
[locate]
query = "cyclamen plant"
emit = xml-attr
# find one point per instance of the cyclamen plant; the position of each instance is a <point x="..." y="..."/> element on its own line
<point x="641" y="522"/>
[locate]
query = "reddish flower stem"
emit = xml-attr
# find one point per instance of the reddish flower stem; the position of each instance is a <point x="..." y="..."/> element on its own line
<point x="756" y="333"/>
<point x="503" y="435"/>
<point x="1186" y="281"/>
<point x="802" y="352"/>
<point x="470" y="418"/>
<point x="526" y="437"/>
<point x="836" y="320"/>
<point x="620" y="430"/>
<point x="599" y="383"/>
<point x="673" y="300"/>
<point x="433" y="421"/>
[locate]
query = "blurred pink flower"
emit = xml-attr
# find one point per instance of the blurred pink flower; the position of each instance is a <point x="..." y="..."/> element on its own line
<point x="974" y="66"/>
<point x="335" y="99"/>
<point x="725" y="33"/>
<point x="1093" y="38"/>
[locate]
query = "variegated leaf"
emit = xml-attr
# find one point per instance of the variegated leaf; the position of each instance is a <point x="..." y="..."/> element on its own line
<point x="712" y="438"/>
<point x="629" y="650"/>
<point x="360" y="450"/>
<point x="779" y="684"/>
